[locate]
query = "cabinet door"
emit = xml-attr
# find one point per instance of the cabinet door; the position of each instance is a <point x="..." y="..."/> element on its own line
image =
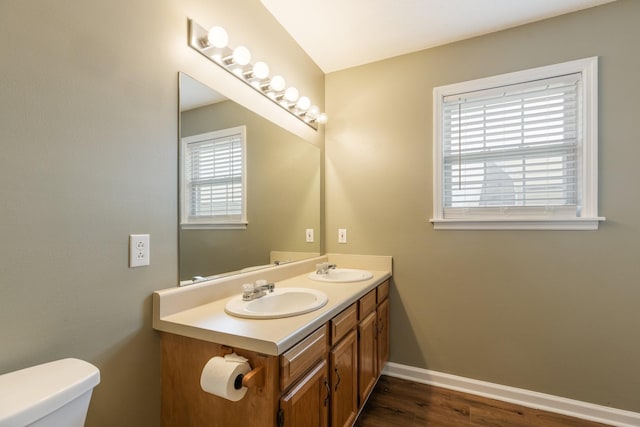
<point x="383" y="333"/>
<point x="367" y="356"/>
<point x="307" y="403"/>
<point x="344" y="381"/>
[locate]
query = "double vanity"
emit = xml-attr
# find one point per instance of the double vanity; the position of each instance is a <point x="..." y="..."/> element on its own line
<point x="316" y="343"/>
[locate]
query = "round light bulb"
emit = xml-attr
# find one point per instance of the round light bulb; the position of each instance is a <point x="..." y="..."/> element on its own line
<point x="322" y="118"/>
<point x="277" y="83"/>
<point x="291" y="94"/>
<point x="303" y="103"/>
<point x="241" y="55"/>
<point x="313" y="112"/>
<point x="260" y="70"/>
<point x="218" y="37"/>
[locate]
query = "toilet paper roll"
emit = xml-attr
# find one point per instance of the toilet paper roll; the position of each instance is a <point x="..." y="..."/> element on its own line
<point x="223" y="377"/>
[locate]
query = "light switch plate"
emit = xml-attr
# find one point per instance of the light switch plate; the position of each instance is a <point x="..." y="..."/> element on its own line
<point x="309" y="235"/>
<point x="342" y="235"/>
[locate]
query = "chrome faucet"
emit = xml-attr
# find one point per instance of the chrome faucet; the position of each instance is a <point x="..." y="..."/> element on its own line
<point x="252" y="291"/>
<point x="322" y="269"/>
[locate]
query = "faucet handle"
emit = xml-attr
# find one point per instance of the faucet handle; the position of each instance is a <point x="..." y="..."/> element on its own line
<point x="247" y="287"/>
<point x="264" y="285"/>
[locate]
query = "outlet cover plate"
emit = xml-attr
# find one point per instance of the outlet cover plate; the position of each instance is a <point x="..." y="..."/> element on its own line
<point x="139" y="250"/>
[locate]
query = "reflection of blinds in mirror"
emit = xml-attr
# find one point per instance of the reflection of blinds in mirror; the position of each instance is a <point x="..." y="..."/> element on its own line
<point x="513" y="146"/>
<point x="214" y="177"/>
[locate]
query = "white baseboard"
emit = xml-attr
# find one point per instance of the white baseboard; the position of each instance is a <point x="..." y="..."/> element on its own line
<point x="518" y="396"/>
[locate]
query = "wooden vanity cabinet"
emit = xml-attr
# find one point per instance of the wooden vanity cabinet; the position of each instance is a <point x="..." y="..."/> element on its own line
<point x="360" y="350"/>
<point x="358" y="339"/>
<point x="367" y="346"/>
<point x="383" y="334"/>
<point x="322" y="381"/>
<point x="382" y="312"/>
<point x="373" y="339"/>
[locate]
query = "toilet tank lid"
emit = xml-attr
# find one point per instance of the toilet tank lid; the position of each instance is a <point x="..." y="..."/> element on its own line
<point x="31" y="393"/>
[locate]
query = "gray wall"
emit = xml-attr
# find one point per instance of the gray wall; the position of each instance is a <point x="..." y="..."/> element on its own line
<point x="550" y="311"/>
<point x="88" y="127"/>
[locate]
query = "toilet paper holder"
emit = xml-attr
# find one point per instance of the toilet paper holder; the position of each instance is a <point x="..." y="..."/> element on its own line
<point x="253" y="378"/>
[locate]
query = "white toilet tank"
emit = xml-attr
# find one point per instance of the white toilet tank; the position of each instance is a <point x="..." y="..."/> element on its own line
<point x="54" y="394"/>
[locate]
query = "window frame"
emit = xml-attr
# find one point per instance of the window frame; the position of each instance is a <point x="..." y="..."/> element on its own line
<point x="207" y="222"/>
<point x="588" y="153"/>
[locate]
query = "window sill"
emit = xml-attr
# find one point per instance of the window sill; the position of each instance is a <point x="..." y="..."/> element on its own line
<point x="238" y="226"/>
<point x="517" y="224"/>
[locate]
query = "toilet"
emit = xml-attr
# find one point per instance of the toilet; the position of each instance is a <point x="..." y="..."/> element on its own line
<point x="54" y="394"/>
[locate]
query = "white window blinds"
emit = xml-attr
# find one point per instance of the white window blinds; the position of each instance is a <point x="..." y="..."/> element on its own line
<point x="213" y="178"/>
<point x="513" y="147"/>
<point x="518" y="151"/>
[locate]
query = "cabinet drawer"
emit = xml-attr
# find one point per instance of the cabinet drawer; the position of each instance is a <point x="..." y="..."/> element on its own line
<point x="383" y="291"/>
<point x="302" y="356"/>
<point x="367" y="304"/>
<point x="344" y="322"/>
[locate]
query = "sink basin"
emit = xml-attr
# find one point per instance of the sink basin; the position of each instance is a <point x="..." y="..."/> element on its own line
<point x="282" y="302"/>
<point x="342" y="275"/>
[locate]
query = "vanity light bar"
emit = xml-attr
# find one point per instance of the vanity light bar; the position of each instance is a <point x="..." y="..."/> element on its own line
<point x="213" y="44"/>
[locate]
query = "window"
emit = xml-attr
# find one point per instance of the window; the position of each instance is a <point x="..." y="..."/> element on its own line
<point x="518" y="151"/>
<point x="213" y="179"/>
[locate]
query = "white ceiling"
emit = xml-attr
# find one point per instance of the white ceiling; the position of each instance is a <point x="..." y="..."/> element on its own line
<point x="339" y="34"/>
<point x="194" y="94"/>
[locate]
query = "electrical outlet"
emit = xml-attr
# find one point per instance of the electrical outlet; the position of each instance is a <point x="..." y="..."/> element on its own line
<point x="342" y="235"/>
<point x="138" y="250"/>
<point x="309" y="235"/>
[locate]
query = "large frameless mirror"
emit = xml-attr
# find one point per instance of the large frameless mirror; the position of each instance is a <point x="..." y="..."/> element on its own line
<point x="249" y="190"/>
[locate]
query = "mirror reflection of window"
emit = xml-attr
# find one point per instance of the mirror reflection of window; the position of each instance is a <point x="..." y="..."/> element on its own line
<point x="213" y="179"/>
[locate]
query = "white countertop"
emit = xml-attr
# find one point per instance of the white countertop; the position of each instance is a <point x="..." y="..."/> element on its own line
<point x="204" y="317"/>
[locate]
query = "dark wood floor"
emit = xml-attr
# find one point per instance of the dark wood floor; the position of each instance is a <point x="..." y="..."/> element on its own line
<point x="396" y="402"/>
